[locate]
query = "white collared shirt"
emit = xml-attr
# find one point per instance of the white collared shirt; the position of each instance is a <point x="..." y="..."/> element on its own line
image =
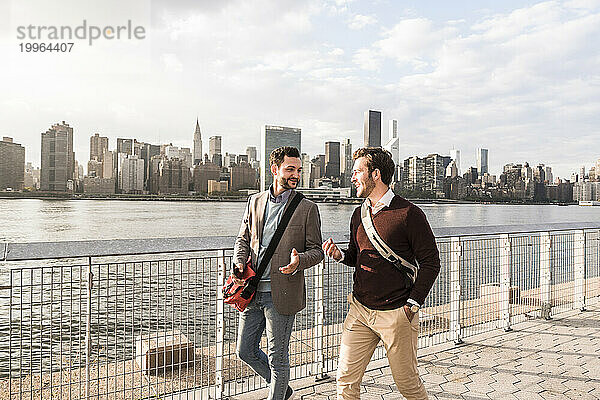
<point x="384" y="201"/>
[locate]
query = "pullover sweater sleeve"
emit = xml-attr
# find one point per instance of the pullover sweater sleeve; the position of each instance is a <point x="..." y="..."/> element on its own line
<point x="422" y="243"/>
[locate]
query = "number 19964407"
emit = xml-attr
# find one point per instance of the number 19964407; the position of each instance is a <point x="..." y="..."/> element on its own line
<point x="46" y="47"/>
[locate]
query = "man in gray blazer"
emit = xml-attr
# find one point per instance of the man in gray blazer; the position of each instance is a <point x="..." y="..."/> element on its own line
<point x="281" y="292"/>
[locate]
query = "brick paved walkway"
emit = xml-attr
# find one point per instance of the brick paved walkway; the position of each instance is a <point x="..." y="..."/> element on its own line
<point x="556" y="359"/>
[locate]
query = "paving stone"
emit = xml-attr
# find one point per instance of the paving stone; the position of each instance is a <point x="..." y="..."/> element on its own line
<point x="549" y="395"/>
<point x="377" y="388"/>
<point x="527" y="380"/>
<point x="504" y="387"/>
<point x="479" y="387"/>
<point x="503" y="396"/>
<point x="528" y="364"/>
<point x="576" y="394"/>
<point x="454" y="388"/>
<point x="532" y="387"/>
<point x="438" y="370"/>
<point x="525" y="395"/>
<point x="433" y="379"/>
<point x="505" y="378"/>
<point x="554" y="385"/>
<point x="595" y="392"/>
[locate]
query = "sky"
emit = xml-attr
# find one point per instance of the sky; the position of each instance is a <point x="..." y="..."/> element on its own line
<point x="520" y="78"/>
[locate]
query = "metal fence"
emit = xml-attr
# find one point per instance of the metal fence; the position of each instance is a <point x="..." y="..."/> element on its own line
<point x="146" y="319"/>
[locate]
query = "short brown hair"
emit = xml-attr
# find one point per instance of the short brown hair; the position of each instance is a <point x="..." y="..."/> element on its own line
<point x="277" y="156"/>
<point x="377" y="158"/>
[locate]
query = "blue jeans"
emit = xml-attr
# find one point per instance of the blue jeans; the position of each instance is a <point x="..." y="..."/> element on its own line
<point x="274" y="368"/>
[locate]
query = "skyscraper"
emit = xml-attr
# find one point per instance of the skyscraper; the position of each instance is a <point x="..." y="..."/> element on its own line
<point x="482" y="161"/>
<point x="346" y="162"/>
<point x="243" y="176"/>
<point x="184" y="154"/>
<point x="131" y="174"/>
<point x="146" y="152"/>
<point x="372" y="128"/>
<point x="452" y="170"/>
<point x="197" y="144"/>
<point x="58" y="158"/>
<point x="171" y="176"/>
<point x="455" y="155"/>
<point x="125" y="146"/>
<point x="97" y="146"/>
<point x="332" y="159"/>
<point x="12" y="164"/>
<point x="272" y="138"/>
<point x="548" y="174"/>
<point x="393" y="145"/>
<point x="109" y="165"/>
<point x="414" y="176"/>
<point x="317" y="170"/>
<point x="434" y="174"/>
<point x="251" y="153"/>
<point x="393" y="128"/>
<point x="306" y="169"/>
<point x="214" y="150"/>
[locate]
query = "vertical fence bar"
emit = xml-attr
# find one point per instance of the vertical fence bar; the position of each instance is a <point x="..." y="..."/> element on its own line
<point x="319" y="337"/>
<point x="505" y="281"/>
<point x="455" y="257"/>
<point x="220" y="339"/>
<point x="545" y="275"/>
<point x="579" y="262"/>
<point x="88" y="328"/>
<point x="10" y="335"/>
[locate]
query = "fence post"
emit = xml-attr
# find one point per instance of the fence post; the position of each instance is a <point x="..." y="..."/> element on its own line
<point x="319" y="338"/>
<point x="545" y="275"/>
<point x="505" y="281"/>
<point x="88" y="327"/>
<point x="455" y="256"/>
<point x="220" y="338"/>
<point x="10" y="338"/>
<point x="579" y="261"/>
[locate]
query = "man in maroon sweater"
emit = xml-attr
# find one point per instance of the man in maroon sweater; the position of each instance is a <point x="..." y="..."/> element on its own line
<point x="384" y="304"/>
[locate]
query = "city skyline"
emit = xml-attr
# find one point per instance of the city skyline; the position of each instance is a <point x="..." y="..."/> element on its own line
<point x="513" y="77"/>
<point x="171" y="170"/>
<point x="125" y="145"/>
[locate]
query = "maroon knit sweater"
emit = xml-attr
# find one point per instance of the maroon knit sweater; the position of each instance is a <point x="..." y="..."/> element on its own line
<point x="377" y="283"/>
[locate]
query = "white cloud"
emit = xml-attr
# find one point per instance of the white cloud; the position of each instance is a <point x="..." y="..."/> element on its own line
<point x="337" y="52"/>
<point x="359" y="21"/>
<point x="367" y="59"/>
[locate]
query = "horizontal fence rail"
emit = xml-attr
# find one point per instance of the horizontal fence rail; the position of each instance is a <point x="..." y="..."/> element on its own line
<point x="144" y="319"/>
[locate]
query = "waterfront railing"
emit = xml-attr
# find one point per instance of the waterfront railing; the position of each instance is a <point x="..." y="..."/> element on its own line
<point x="137" y="319"/>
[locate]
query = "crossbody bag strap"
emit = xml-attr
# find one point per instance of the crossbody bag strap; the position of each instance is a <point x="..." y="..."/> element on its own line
<point x="382" y="247"/>
<point x="285" y="218"/>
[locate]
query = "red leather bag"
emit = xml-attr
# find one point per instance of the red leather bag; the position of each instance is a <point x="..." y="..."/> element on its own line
<point x="239" y="296"/>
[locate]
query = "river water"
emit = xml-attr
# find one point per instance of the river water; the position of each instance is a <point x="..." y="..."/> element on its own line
<point x="32" y="220"/>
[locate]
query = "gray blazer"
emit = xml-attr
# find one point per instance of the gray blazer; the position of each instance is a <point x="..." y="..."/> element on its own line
<point x="303" y="233"/>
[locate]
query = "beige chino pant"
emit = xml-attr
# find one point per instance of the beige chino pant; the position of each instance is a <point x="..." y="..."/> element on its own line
<point x="363" y="329"/>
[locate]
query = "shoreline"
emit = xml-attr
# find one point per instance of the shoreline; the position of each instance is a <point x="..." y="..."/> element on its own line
<point x="147" y="197"/>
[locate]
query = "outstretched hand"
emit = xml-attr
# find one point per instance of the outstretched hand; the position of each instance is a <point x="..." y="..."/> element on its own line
<point x="330" y="249"/>
<point x="293" y="265"/>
